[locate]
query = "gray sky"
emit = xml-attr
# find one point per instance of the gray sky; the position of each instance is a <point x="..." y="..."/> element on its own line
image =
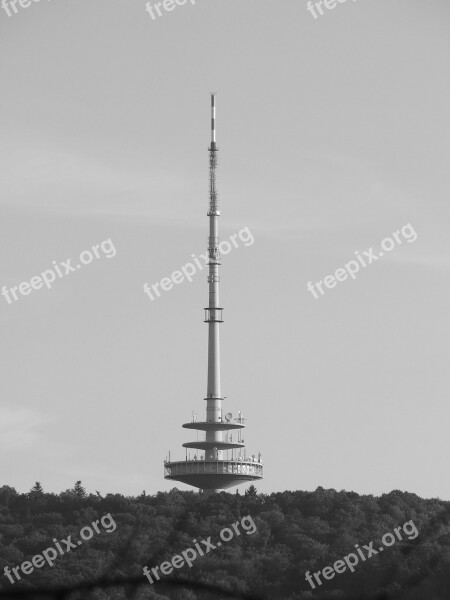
<point x="333" y="134"/>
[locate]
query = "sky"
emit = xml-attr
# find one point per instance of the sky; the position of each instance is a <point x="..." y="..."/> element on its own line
<point x="333" y="134"/>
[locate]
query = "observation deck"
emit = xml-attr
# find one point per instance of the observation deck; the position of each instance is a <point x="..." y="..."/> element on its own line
<point x="210" y="474"/>
<point x="216" y="468"/>
<point x="213" y="425"/>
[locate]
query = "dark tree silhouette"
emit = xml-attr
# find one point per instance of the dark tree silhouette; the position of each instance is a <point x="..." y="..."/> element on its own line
<point x="79" y="490"/>
<point x="37" y="489"/>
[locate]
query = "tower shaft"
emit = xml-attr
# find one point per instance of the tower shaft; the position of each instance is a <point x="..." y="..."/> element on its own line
<point x="213" y="312"/>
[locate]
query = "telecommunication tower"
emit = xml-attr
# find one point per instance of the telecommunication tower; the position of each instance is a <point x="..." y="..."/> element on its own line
<point x="211" y="470"/>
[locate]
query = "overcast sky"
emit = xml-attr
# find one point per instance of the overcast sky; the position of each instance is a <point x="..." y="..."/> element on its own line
<point x="333" y="134"/>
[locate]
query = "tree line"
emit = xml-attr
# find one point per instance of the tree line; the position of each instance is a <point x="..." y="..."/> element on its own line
<point x="297" y="532"/>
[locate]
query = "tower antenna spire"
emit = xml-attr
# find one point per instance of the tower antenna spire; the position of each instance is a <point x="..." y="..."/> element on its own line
<point x="213" y="120"/>
<point x="213" y="149"/>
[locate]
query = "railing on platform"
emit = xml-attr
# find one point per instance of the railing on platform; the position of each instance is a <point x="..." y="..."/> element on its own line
<point x="213" y="467"/>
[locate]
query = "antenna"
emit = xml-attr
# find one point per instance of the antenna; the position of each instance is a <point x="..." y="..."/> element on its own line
<point x="213" y="120"/>
<point x="213" y="202"/>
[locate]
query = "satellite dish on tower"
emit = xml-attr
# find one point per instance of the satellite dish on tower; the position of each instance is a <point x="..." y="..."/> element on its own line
<point x="228" y="417"/>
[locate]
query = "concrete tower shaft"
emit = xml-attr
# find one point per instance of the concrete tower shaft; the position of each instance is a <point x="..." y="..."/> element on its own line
<point x="213" y="312"/>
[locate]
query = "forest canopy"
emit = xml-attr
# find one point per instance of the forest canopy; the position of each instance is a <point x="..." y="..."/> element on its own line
<point x="296" y="533"/>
